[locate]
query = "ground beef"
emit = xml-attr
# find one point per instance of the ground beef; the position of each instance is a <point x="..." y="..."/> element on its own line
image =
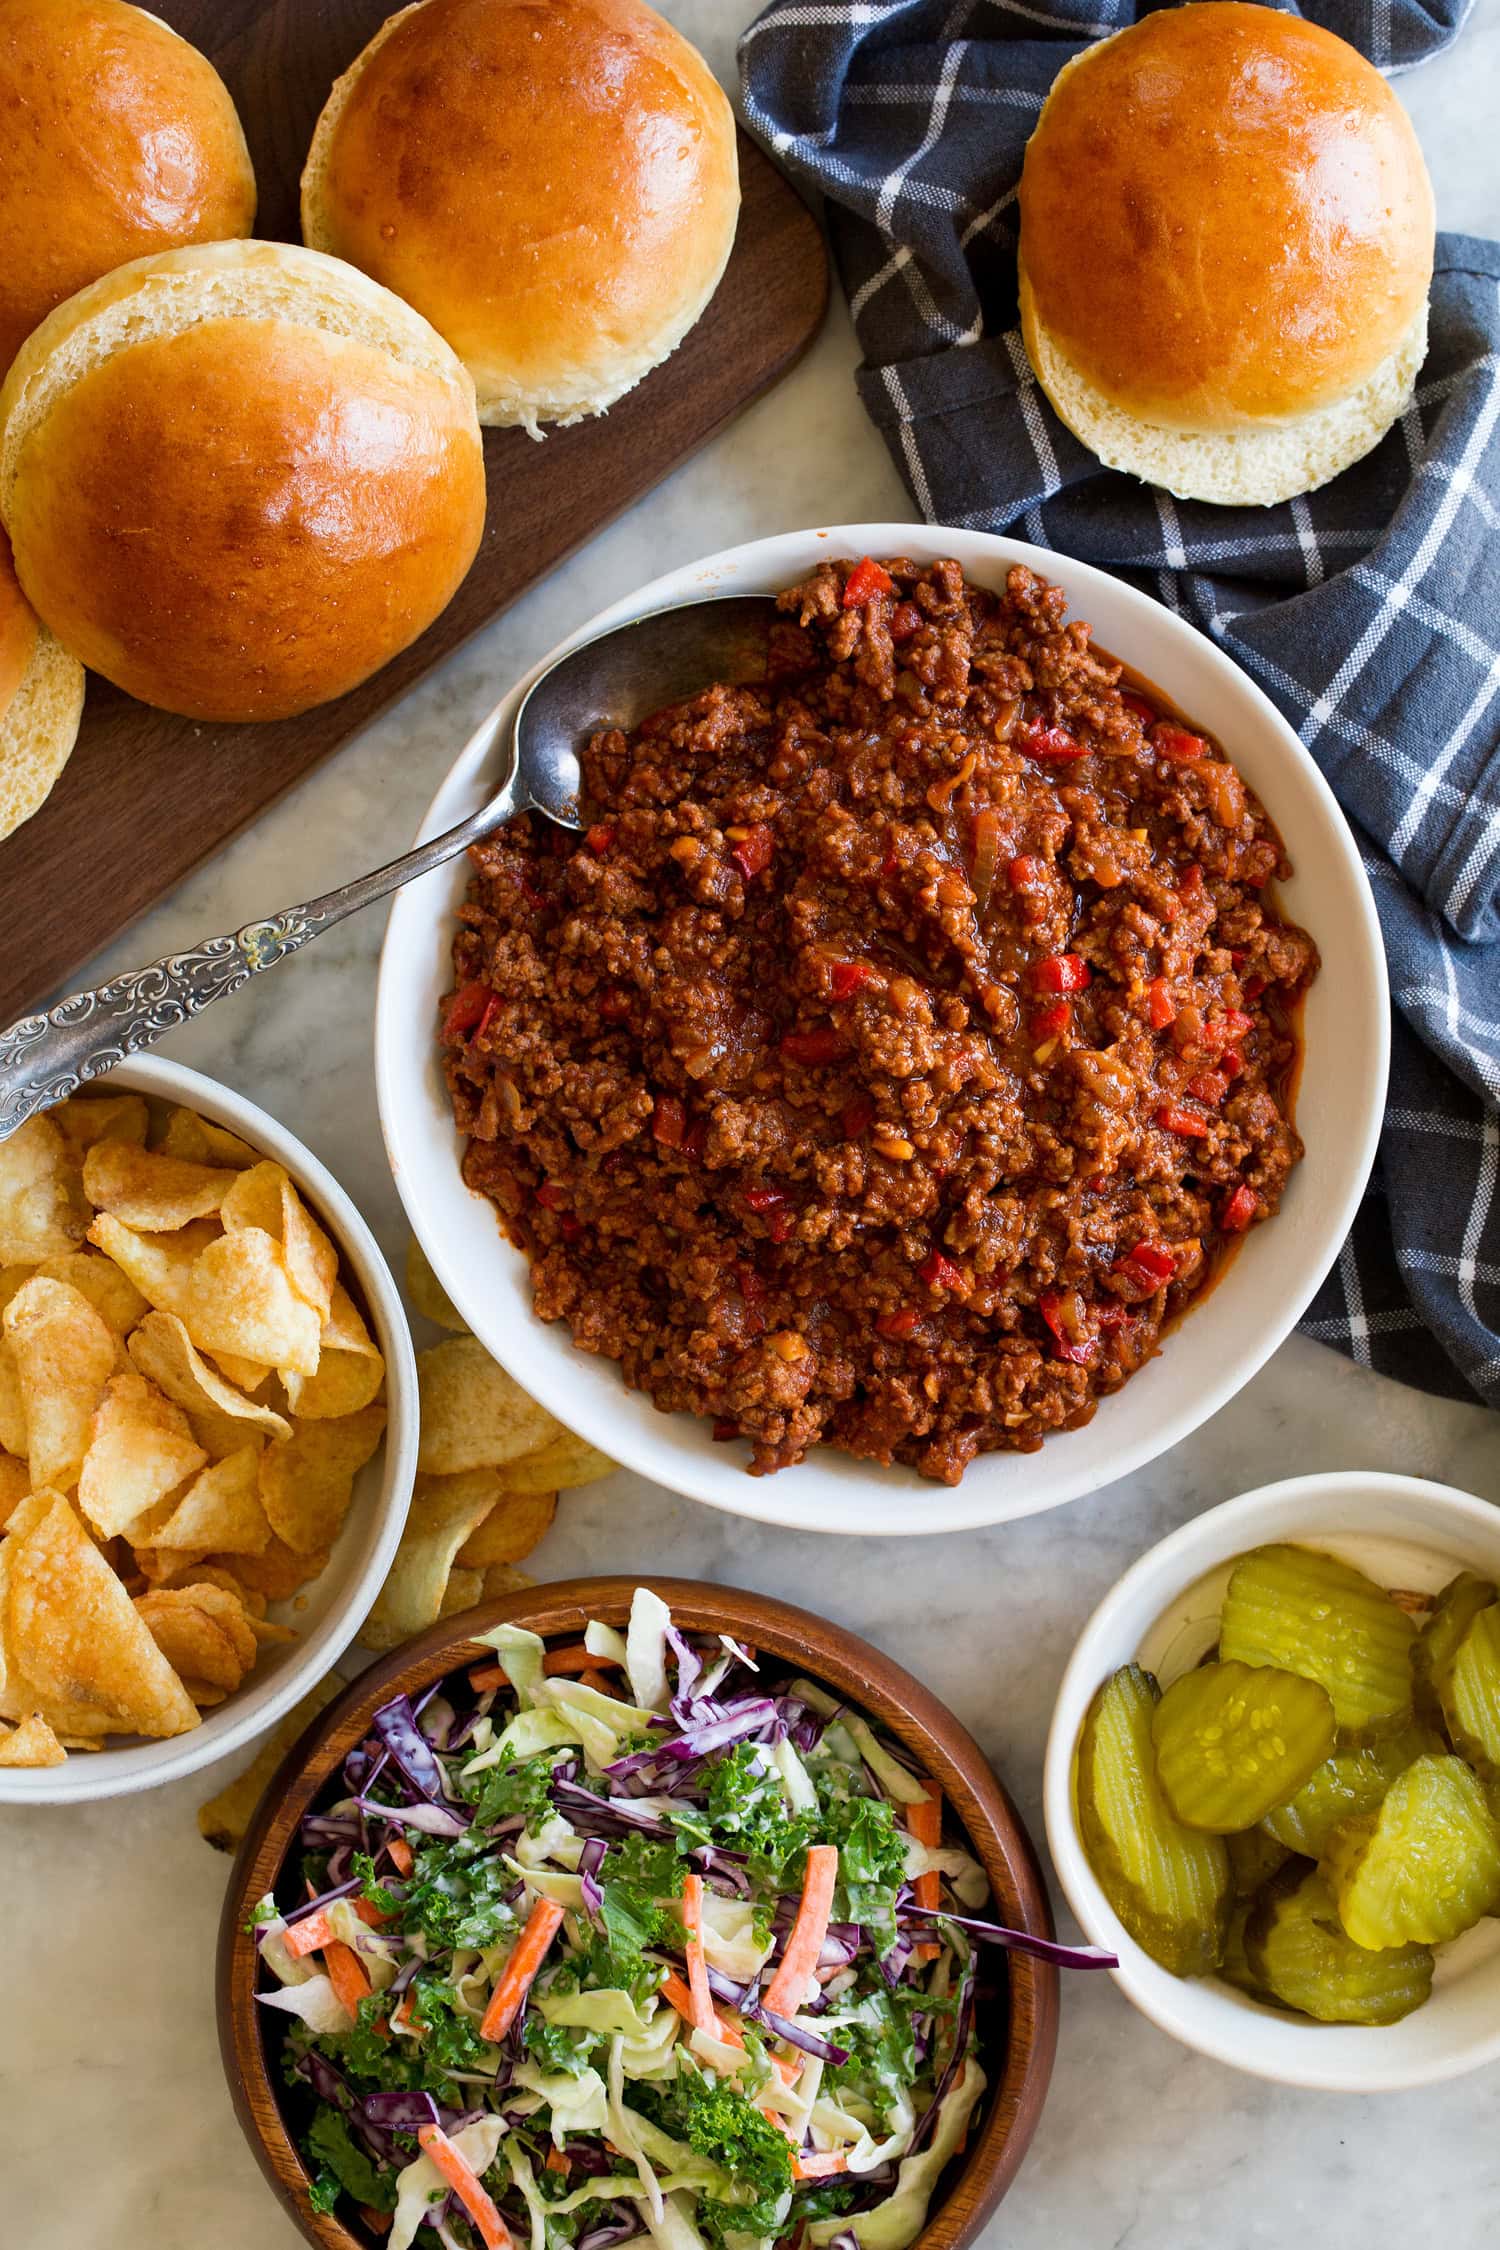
<point x="904" y="1043"/>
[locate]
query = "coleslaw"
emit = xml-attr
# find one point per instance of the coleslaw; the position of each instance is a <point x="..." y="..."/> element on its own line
<point x="632" y="1939"/>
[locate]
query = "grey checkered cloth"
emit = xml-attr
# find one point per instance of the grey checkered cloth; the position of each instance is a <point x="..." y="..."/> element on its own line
<point x="1370" y="612"/>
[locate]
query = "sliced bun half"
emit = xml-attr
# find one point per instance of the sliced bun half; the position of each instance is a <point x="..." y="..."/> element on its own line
<point x="41" y="702"/>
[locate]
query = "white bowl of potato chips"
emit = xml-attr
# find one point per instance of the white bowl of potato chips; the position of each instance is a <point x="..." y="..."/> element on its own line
<point x="208" y="1431"/>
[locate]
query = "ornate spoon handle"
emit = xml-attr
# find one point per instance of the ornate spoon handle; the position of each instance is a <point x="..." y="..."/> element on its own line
<point x="43" y="1058"/>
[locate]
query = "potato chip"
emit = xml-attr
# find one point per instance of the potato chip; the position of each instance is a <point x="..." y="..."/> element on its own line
<point x="32" y="1743"/>
<point x="197" y="1140"/>
<point x="140" y="1449"/>
<point x="277" y="1572"/>
<point x="64" y="1354"/>
<point x="214" y="1574"/>
<point x="245" y="1626"/>
<point x="193" y="1643"/>
<point x="12" y="1411"/>
<point x="514" y="1525"/>
<point x="223" y="1820"/>
<point x="240" y="1299"/>
<point x="160" y="1265"/>
<point x="350" y="1368"/>
<point x="474" y="1415"/>
<point x="113" y="1295"/>
<point x="87" y="1118"/>
<point x="220" y="1510"/>
<point x="247" y="1375"/>
<point x="464" y="1589"/>
<point x="153" y="1193"/>
<point x="561" y="1465"/>
<point x="505" y="1578"/>
<point x="265" y="1198"/>
<point x="427" y="1292"/>
<point x="42" y="1207"/>
<point x="15" y="1483"/>
<point x="444" y="1511"/>
<point x="223" y="1420"/>
<point x="75" y="1633"/>
<point x="306" y="1484"/>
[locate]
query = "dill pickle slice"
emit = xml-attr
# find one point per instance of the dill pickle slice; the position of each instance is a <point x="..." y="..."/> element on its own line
<point x="1168" y="1884"/>
<point x="1310" y="1613"/>
<point x="1254" y="1857"/>
<point x="1235" y="1740"/>
<point x="1424" y="1866"/>
<point x="1468" y="1686"/>
<point x="1235" y="1967"/>
<point x="1297" y="1948"/>
<point x="1347" y="1784"/>
<point x="1457" y="1606"/>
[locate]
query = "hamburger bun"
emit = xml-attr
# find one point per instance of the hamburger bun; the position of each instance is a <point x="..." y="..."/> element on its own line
<point x="553" y="183"/>
<point x="1226" y="248"/>
<point x="41" y="702"/>
<point x="116" y="139"/>
<point x="238" y="478"/>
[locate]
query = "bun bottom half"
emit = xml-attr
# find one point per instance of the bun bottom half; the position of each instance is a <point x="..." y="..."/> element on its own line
<point x="1247" y="468"/>
<point x="38" y="729"/>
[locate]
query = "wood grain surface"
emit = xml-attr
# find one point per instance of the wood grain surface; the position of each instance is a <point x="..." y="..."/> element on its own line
<point x="1017" y="2045"/>
<point x="146" y="797"/>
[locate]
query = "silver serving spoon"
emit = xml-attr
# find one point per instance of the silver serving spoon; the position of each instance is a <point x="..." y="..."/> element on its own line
<point x="615" y="679"/>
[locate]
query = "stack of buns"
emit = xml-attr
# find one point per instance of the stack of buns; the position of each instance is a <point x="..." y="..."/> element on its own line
<point x="239" y="477"/>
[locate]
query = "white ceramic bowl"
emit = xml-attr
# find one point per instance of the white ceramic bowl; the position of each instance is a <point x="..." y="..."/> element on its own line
<point x="339" y="1600"/>
<point x="1218" y="1348"/>
<point x="1163" y="1613"/>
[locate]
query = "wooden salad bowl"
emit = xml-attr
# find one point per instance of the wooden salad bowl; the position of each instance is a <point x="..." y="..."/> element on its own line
<point x="1017" y="2052"/>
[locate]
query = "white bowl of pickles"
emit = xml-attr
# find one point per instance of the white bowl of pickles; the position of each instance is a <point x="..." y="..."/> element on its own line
<point x="1273" y="1782"/>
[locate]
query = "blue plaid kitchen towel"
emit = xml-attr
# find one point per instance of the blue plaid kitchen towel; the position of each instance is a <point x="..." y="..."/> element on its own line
<point x="1370" y="611"/>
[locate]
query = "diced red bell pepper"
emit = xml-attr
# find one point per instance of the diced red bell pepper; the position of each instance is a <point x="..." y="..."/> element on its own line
<point x="600" y="837"/>
<point x="939" y="1272"/>
<point x="1253" y="987"/>
<point x="668" y="1121"/>
<point x="1174" y="1119"/>
<point x="753" y="853"/>
<point x="764" y="1198"/>
<point x="1024" y="871"/>
<point x="864" y="582"/>
<point x="779" y="1225"/>
<point x="1053" y="745"/>
<point x="550" y="1196"/>
<point x="1153" y="1261"/>
<point x="1051" y="1022"/>
<point x="1161" y="1008"/>
<point x="1146" y="712"/>
<point x="848" y="977"/>
<point x="752" y="1284"/>
<point x="569" y="1227"/>
<point x="1223" y="1030"/>
<point x="1232" y="1063"/>
<point x="1112" y="1317"/>
<point x="1239" y="1210"/>
<point x="1208" y="1087"/>
<point x="1169" y="741"/>
<point x="1190" y="881"/>
<point x="857" y="1117"/>
<point x="724" y="1431"/>
<point x="467" y="1010"/>
<point x="1049" y="1305"/>
<point x="906" y="619"/>
<point x="1063" y="972"/>
<point x="822" y="1045"/>
<point x="897" y="1325"/>
<point x="695" y="1139"/>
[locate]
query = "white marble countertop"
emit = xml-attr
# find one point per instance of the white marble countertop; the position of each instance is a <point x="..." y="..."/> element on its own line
<point x="117" y="2128"/>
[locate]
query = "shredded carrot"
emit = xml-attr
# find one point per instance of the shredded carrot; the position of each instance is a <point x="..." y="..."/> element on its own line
<point x="401" y="1855"/>
<point x="315" y="1932"/>
<point x="788" y="1988"/>
<point x="346" y="1973"/>
<point x="402" y="2018"/>
<point x="527" y="1956"/>
<point x="485" y="1676"/>
<point x="723" y="2027"/>
<point x="554" y="2161"/>
<point x="703" y="2015"/>
<point x="466" y="2185"/>
<point x="925" y="1820"/>
<point x="576" y="1658"/>
<point x="811" y="2167"/>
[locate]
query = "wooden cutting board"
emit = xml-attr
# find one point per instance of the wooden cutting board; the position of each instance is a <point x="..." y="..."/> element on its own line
<point x="146" y="797"/>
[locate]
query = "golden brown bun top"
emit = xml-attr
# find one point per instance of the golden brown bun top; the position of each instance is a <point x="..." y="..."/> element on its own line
<point x="116" y="139"/>
<point x="551" y="182"/>
<point x="1225" y="216"/>
<point x="17" y="629"/>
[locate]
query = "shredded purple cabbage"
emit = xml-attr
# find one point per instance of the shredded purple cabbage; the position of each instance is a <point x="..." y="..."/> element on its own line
<point x="1018" y="1941"/>
<point x="396" y="1724"/>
